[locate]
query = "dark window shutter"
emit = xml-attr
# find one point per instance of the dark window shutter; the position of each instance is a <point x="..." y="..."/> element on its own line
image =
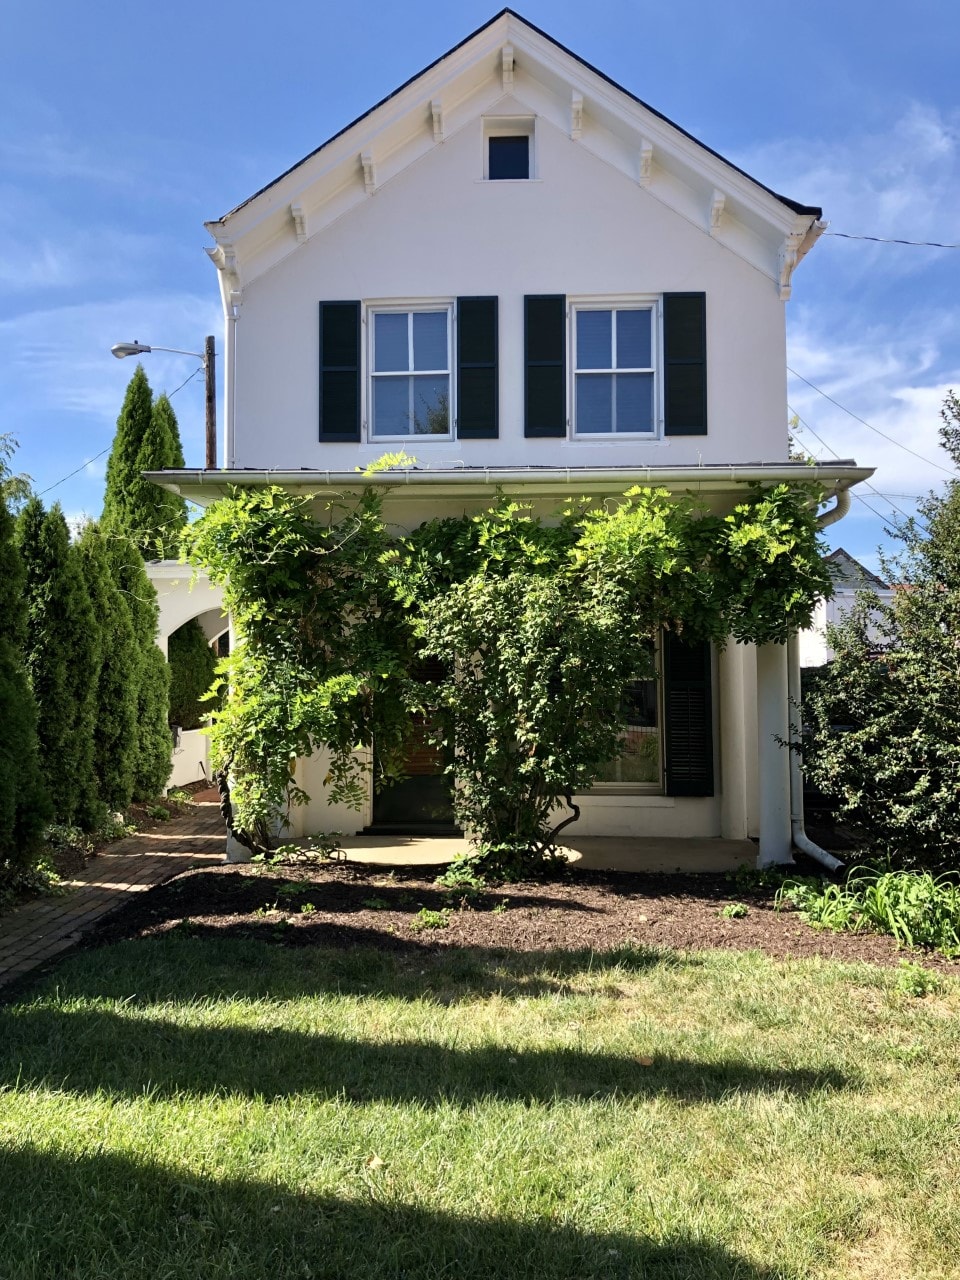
<point x="478" y="390"/>
<point x="545" y="349"/>
<point x="685" y="364"/>
<point x="688" y="717"/>
<point x="339" y="371"/>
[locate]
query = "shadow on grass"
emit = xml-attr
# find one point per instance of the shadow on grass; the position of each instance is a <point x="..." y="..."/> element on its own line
<point x="86" y="1050"/>
<point x="195" y="961"/>
<point x="106" y="1216"/>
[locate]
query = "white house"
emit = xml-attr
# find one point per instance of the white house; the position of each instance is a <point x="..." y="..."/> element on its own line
<point x="529" y="278"/>
<point x="850" y="578"/>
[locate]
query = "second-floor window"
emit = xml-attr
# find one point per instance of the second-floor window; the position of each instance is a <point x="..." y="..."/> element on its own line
<point x="410" y="372"/>
<point x="614" y="367"/>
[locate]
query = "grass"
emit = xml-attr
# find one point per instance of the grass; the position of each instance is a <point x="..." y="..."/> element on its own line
<point x="180" y="1107"/>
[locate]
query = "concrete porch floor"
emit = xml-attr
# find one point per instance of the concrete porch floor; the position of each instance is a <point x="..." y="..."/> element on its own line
<point x="593" y="853"/>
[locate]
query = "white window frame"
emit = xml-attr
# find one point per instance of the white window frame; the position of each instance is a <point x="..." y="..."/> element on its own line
<point x="371" y="310"/>
<point x="510" y="127"/>
<point x="637" y="302"/>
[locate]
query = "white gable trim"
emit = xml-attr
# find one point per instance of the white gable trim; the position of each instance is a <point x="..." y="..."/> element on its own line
<point x="508" y="56"/>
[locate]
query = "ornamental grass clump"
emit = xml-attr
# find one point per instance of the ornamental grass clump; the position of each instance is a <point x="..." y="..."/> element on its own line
<point x="915" y="907"/>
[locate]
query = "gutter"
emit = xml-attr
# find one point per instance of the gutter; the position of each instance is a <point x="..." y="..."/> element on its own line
<point x="206" y="486"/>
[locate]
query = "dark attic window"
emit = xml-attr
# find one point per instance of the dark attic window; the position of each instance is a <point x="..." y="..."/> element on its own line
<point x="509" y="158"/>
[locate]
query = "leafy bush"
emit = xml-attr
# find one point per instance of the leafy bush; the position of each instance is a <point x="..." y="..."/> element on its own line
<point x="894" y="770"/>
<point x="915" y="907"/>
<point x="193" y="665"/>
<point x="427" y="919"/>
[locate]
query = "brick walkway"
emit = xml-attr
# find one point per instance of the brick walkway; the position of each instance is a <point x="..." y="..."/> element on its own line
<point x="35" y="933"/>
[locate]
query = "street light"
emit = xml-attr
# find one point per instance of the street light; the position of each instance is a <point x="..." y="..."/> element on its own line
<point x="209" y="359"/>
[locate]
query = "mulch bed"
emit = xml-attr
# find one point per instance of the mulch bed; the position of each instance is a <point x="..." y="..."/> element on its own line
<point x="355" y="905"/>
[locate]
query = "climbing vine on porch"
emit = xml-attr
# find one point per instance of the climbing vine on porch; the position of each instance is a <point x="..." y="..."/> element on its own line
<point x="538" y="622"/>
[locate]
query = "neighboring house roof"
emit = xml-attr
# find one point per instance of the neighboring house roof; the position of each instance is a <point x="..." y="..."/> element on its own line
<point x="847" y="572"/>
<point x="508" y="67"/>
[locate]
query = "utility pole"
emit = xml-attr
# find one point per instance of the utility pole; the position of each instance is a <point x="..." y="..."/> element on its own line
<point x="210" y="379"/>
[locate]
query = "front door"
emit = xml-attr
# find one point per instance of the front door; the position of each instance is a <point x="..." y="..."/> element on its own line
<point x="421" y="804"/>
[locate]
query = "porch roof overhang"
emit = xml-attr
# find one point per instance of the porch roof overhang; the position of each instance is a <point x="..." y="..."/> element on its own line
<point x="203" y="487"/>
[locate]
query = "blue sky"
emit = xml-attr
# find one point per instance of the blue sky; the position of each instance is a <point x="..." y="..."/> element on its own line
<point x="125" y="127"/>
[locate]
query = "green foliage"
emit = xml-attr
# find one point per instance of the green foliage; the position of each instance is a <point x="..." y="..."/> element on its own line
<point x="894" y="769"/>
<point x="147" y="439"/>
<point x="149" y="674"/>
<point x="14" y="487"/>
<point x="734" y="911"/>
<point x="537" y="624"/>
<point x="916" y="908"/>
<point x="326" y="646"/>
<point x="115" y="740"/>
<point x="23" y="803"/>
<point x="914" y="980"/>
<point x="427" y="919"/>
<point x="193" y="666"/>
<point x="62" y="657"/>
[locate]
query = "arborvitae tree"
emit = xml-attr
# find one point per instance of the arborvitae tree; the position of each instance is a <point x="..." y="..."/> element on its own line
<point x="192" y="667"/>
<point x="115" y="744"/>
<point x="894" y="685"/>
<point x="152" y="759"/>
<point x="23" y="802"/>
<point x="61" y="656"/>
<point x="154" y="516"/>
<point x="122" y="465"/>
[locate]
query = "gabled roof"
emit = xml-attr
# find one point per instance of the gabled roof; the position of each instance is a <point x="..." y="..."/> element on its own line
<point x="509" y="61"/>
<point x="847" y="571"/>
<point x="793" y="205"/>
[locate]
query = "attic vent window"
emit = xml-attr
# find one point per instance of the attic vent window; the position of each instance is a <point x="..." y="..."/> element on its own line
<point x="509" y="148"/>
<point x="509" y="157"/>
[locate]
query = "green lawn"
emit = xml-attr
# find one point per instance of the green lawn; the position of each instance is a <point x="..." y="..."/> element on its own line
<point x="196" y="1109"/>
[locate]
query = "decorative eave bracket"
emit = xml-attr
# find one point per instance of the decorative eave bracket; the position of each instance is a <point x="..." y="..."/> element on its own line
<point x="436" y="115"/>
<point x="369" y="172"/>
<point x="299" y="216"/>
<point x="506" y="68"/>
<point x="646" y="162"/>
<point x="789" y="257"/>
<point x="224" y="258"/>
<point x="576" y="115"/>
<point x="717" y="204"/>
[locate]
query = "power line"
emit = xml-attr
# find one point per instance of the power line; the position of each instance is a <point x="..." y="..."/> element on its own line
<point x="920" y="244"/>
<point x="858" y="496"/>
<point x="64" y="479"/>
<point x="870" y="427"/>
<point x="56" y="483"/>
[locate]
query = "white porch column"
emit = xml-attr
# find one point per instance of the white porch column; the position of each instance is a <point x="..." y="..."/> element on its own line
<point x="774" y="759"/>
<point x="733" y="745"/>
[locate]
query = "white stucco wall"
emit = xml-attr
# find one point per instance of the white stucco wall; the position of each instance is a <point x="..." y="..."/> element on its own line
<point x="436" y="230"/>
<point x="191" y="759"/>
<point x="814" y="648"/>
<point x="183" y="594"/>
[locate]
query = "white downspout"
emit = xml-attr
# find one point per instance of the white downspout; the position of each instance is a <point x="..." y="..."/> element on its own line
<point x="797" y="832"/>
<point x="799" y="835"/>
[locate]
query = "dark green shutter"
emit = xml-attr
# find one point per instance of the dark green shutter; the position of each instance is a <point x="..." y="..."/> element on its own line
<point x="545" y="348"/>
<point x="478" y="391"/>
<point x="685" y="364"/>
<point x="688" y="717"/>
<point x="339" y="371"/>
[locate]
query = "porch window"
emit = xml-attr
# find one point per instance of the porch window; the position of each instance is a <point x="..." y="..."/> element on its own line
<point x="411" y="361"/>
<point x="638" y="761"/>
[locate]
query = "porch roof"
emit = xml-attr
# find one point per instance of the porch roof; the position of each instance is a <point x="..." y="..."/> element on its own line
<point x="203" y="487"/>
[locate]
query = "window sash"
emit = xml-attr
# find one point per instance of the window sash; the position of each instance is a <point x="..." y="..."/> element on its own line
<point x="411" y="373"/>
<point x="613" y="370"/>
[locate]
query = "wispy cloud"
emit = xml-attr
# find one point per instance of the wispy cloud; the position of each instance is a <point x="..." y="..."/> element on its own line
<point x="894" y="381"/>
<point x="900" y="182"/>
